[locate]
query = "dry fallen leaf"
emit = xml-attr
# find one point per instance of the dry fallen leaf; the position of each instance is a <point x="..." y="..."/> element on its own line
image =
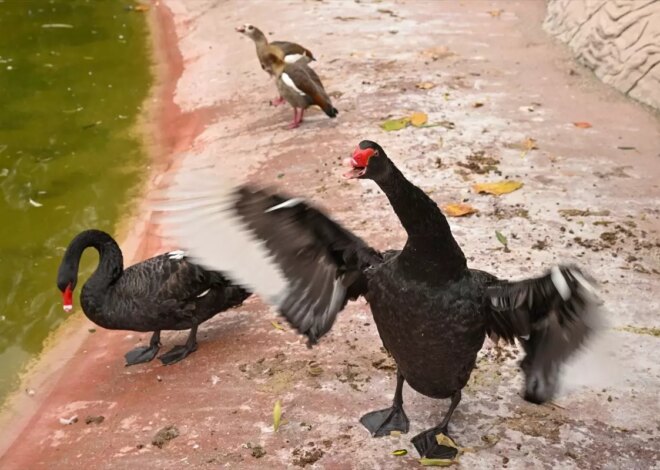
<point x="277" y="415"/>
<point x="435" y="53"/>
<point x="497" y="188"/>
<point x="495" y="13"/>
<point x="418" y="119"/>
<point x="141" y="7"/>
<point x="395" y="124"/>
<point x="582" y="124"/>
<point x="477" y="104"/>
<point x="527" y="145"/>
<point x="425" y="85"/>
<point x="436" y="462"/>
<point x="458" y="209"/>
<point x="277" y="325"/>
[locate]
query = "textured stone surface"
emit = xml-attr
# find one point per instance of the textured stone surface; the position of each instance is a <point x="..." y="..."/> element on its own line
<point x="618" y="39"/>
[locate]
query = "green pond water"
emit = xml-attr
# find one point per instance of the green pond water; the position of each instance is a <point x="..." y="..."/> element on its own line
<point x="73" y="77"/>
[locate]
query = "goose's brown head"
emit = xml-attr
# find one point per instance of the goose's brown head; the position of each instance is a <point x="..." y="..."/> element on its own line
<point x="368" y="161"/>
<point x="250" y="31"/>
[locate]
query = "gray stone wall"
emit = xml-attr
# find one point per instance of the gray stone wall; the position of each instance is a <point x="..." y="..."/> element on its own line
<point x="618" y="39"/>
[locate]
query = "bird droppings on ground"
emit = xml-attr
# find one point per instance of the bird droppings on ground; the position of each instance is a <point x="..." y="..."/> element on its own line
<point x="165" y="435"/>
<point x="69" y="421"/>
<point x="304" y="457"/>
<point x="255" y="450"/>
<point x="94" y="419"/>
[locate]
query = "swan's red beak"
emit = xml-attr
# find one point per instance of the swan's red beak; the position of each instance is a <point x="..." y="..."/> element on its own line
<point x="359" y="162"/>
<point x="67" y="298"/>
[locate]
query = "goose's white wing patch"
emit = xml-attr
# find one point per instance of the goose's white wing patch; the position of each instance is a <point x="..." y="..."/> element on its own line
<point x="289" y="82"/>
<point x="293" y="58"/>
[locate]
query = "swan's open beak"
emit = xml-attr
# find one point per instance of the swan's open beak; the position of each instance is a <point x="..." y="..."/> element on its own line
<point x="67" y="299"/>
<point x="358" y="162"/>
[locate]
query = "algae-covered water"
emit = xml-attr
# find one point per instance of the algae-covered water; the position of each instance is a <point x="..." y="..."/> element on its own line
<point x="73" y="77"/>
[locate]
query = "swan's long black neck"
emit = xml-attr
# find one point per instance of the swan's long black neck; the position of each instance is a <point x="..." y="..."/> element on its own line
<point x="429" y="234"/>
<point x="109" y="269"/>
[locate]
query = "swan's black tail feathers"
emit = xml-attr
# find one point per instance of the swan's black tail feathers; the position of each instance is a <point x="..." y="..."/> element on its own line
<point x="552" y="316"/>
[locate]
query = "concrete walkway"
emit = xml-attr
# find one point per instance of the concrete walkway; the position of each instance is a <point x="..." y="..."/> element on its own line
<point x="498" y="81"/>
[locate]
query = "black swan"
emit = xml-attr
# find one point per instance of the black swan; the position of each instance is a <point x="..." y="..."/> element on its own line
<point x="432" y="312"/>
<point x="166" y="292"/>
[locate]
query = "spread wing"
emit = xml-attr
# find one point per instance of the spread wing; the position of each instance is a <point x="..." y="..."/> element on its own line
<point x="552" y="316"/>
<point x="288" y="252"/>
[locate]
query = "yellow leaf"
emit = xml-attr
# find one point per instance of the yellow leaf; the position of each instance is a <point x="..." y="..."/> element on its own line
<point x="418" y="119"/>
<point x="395" y="124"/>
<point x="458" y="209"/>
<point x="582" y="125"/>
<point x="141" y="7"/>
<point x="277" y="415"/>
<point x="425" y="85"/>
<point x="497" y="188"/>
<point x="445" y="440"/>
<point x="277" y="325"/>
<point x="436" y="462"/>
<point x="399" y="452"/>
<point x="495" y="13"/>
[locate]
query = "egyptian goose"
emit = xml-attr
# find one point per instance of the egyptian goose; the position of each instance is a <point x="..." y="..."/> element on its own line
<point x="301" y="87"/>
<point x="292" y="52"/>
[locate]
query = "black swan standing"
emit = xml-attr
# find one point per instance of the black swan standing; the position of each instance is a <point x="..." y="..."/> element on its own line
<point x="166" y="292"/>
<point x="432" y="312"/>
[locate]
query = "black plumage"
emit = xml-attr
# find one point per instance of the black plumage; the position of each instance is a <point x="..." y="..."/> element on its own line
<point x="432" y="312"/>
<point x="165" y="292"/>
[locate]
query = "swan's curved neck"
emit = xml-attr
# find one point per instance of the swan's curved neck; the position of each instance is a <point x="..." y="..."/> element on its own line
<point x="109" y="269"/>
<point x="429" y="234"/>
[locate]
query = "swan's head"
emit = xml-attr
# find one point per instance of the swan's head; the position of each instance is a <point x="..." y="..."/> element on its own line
<point x="66" y="282"/>
<point x="368" y="162"/>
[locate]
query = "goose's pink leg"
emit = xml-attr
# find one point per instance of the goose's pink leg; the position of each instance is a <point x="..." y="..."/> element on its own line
<point x="295" y="123"/>
<point x="277" y="101"/>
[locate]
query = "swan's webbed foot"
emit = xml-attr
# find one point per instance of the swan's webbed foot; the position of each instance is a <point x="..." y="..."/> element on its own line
<point x="144" y="353"/>
<point x="383" y="422"/>
<point x="435" y="443"/>
<point x="178" y="353"/>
